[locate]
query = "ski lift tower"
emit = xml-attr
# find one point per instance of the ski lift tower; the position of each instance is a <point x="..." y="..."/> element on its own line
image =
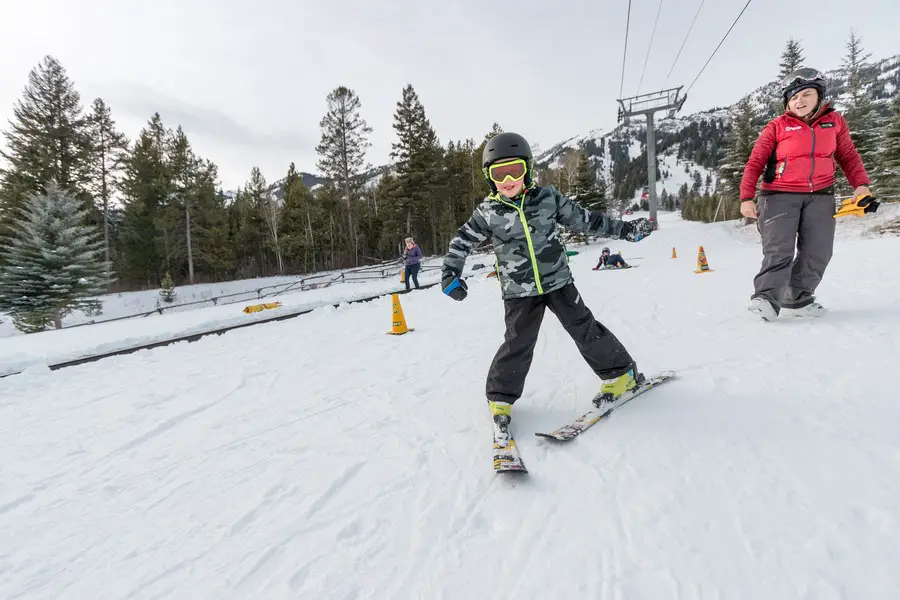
<point x="648" y="104"/>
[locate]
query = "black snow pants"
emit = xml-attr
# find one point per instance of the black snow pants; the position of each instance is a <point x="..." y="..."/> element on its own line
<point x="412" y="272"/>
<point x="600" y="348"/>
<point x="785" y="221"/>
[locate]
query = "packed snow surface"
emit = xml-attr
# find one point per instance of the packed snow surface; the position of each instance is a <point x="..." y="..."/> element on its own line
<point x="18" y="352"/>
<point x="320" y="458"/>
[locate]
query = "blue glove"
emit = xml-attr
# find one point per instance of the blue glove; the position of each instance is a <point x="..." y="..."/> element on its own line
<point x="636" y="230"/>
<point x="453" y="286"/>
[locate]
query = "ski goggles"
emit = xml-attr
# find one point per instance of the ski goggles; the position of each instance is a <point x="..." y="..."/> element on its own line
<point x="514" y="170"/>
<point x="801" y="76"/>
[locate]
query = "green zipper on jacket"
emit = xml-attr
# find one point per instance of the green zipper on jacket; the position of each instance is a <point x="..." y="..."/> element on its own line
<point x="534" y="262"/>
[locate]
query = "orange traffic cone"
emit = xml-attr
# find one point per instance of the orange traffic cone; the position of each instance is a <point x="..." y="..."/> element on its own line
<point x="403" y="275"/>
<point x="702" y="265"/>
<point x="673" y="252"/>
<point x="399" y="321"/>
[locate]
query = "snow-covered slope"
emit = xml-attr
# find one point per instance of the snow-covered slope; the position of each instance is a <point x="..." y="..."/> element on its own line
<point x="320" y="458"/>
<point x="131" y="303"/>
<point x="51" y="347"/>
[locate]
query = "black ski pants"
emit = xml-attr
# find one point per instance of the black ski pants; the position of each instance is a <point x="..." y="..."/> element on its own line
<point x="806" y="221"/>
<point x="600" y="348"/>
<point x="412" y="272"/>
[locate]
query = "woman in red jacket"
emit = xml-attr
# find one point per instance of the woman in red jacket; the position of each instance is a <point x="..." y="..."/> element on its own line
<point x="796" y="155"/>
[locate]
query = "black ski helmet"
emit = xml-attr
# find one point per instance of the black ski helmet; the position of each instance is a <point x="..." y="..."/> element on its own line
<point x="507" y="145"/>
<point x="802" y="79"/>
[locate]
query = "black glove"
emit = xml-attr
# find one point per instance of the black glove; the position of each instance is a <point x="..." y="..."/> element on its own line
<point x="870" y="203"/>
<point x="453" y="286"/>
<point x="857" y="206"/>
<point x="636" y="230"/>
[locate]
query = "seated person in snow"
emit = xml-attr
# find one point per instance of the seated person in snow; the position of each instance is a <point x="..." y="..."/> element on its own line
<point x="610" y="261"/>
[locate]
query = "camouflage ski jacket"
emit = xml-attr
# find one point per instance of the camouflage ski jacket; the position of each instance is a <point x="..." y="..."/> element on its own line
<point x="531" y="259"/>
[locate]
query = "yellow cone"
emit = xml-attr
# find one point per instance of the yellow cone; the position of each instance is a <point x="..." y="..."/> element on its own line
<point x="398" y="324"/>
<point x="673" y="252"/>
<point x="403" y="275"/>
<point x="702" y="265"/>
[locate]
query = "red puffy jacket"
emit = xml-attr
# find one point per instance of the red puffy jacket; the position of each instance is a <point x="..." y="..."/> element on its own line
<point x="796" y="156"/>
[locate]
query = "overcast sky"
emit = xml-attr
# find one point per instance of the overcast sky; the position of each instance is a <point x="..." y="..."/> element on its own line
<point x="248" y="79"/>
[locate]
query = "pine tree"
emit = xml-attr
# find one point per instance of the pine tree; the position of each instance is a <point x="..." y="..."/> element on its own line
<point x="418" y="166"/>
<point x="46" y="140"/>
<point x="665" y="200"/>
<point x="256" y="193"/>
<point x="167" y="289"/>
<point x="479" y="183"/>
<point x="182" y="168"/>
<point x="53" y="264"/>
<point x="889" y="158"/>
<point x="600" y="187"/>
<point x="214" y="255"/>
<point x="108" y="150"/>
<point x="791" y="58"/>
<point x="387" y="190"/>
<point x="739" y="146"/>
<point x="272" y="215"/>
<point x="584" y="175"/>
<point x="683" y="201"/>
<point x="860" y="114"/>
<point x="585" y="189"/>
<point x="243" y="238"/>
<point x="458" y="189"/>
<point x="147" y="187"/>
<point x="298" y="234"/>
<point x="342" y="150"/>
<point x="856" y="65"/>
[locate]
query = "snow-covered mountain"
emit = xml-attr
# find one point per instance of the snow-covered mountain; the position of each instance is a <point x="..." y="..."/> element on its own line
<point x="313" y="182"/>
<point x="690" y="147"/>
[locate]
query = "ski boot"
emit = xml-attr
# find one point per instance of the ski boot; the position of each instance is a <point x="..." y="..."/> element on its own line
<point x="765" y="309"/>
<point x="502" y="415"/>
<point x="811" y="309"/>
<point x="612" y="389"/>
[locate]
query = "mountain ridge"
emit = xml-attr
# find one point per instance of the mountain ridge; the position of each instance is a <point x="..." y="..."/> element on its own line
<point x="691" y="143"/>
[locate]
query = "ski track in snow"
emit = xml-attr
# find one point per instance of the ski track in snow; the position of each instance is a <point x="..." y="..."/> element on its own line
<point x="321" y="458"/>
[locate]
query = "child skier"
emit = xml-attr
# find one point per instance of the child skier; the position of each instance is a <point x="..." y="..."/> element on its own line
<point x="610" y="261"/>
<point x="521" y="220"/>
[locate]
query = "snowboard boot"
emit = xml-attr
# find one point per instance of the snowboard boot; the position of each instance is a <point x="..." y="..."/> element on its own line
<point x="812" y="309"/>
<point x="502" y="415"/>
<point x="762" y="307"/>
<point x="612" y="389"/>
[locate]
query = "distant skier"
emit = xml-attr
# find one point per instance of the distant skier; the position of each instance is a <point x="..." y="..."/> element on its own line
<point x="413" y="256"/>
<point x="610" y="261"/>
<point x="796" y="154"/>
<point x="521" y="219"/>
